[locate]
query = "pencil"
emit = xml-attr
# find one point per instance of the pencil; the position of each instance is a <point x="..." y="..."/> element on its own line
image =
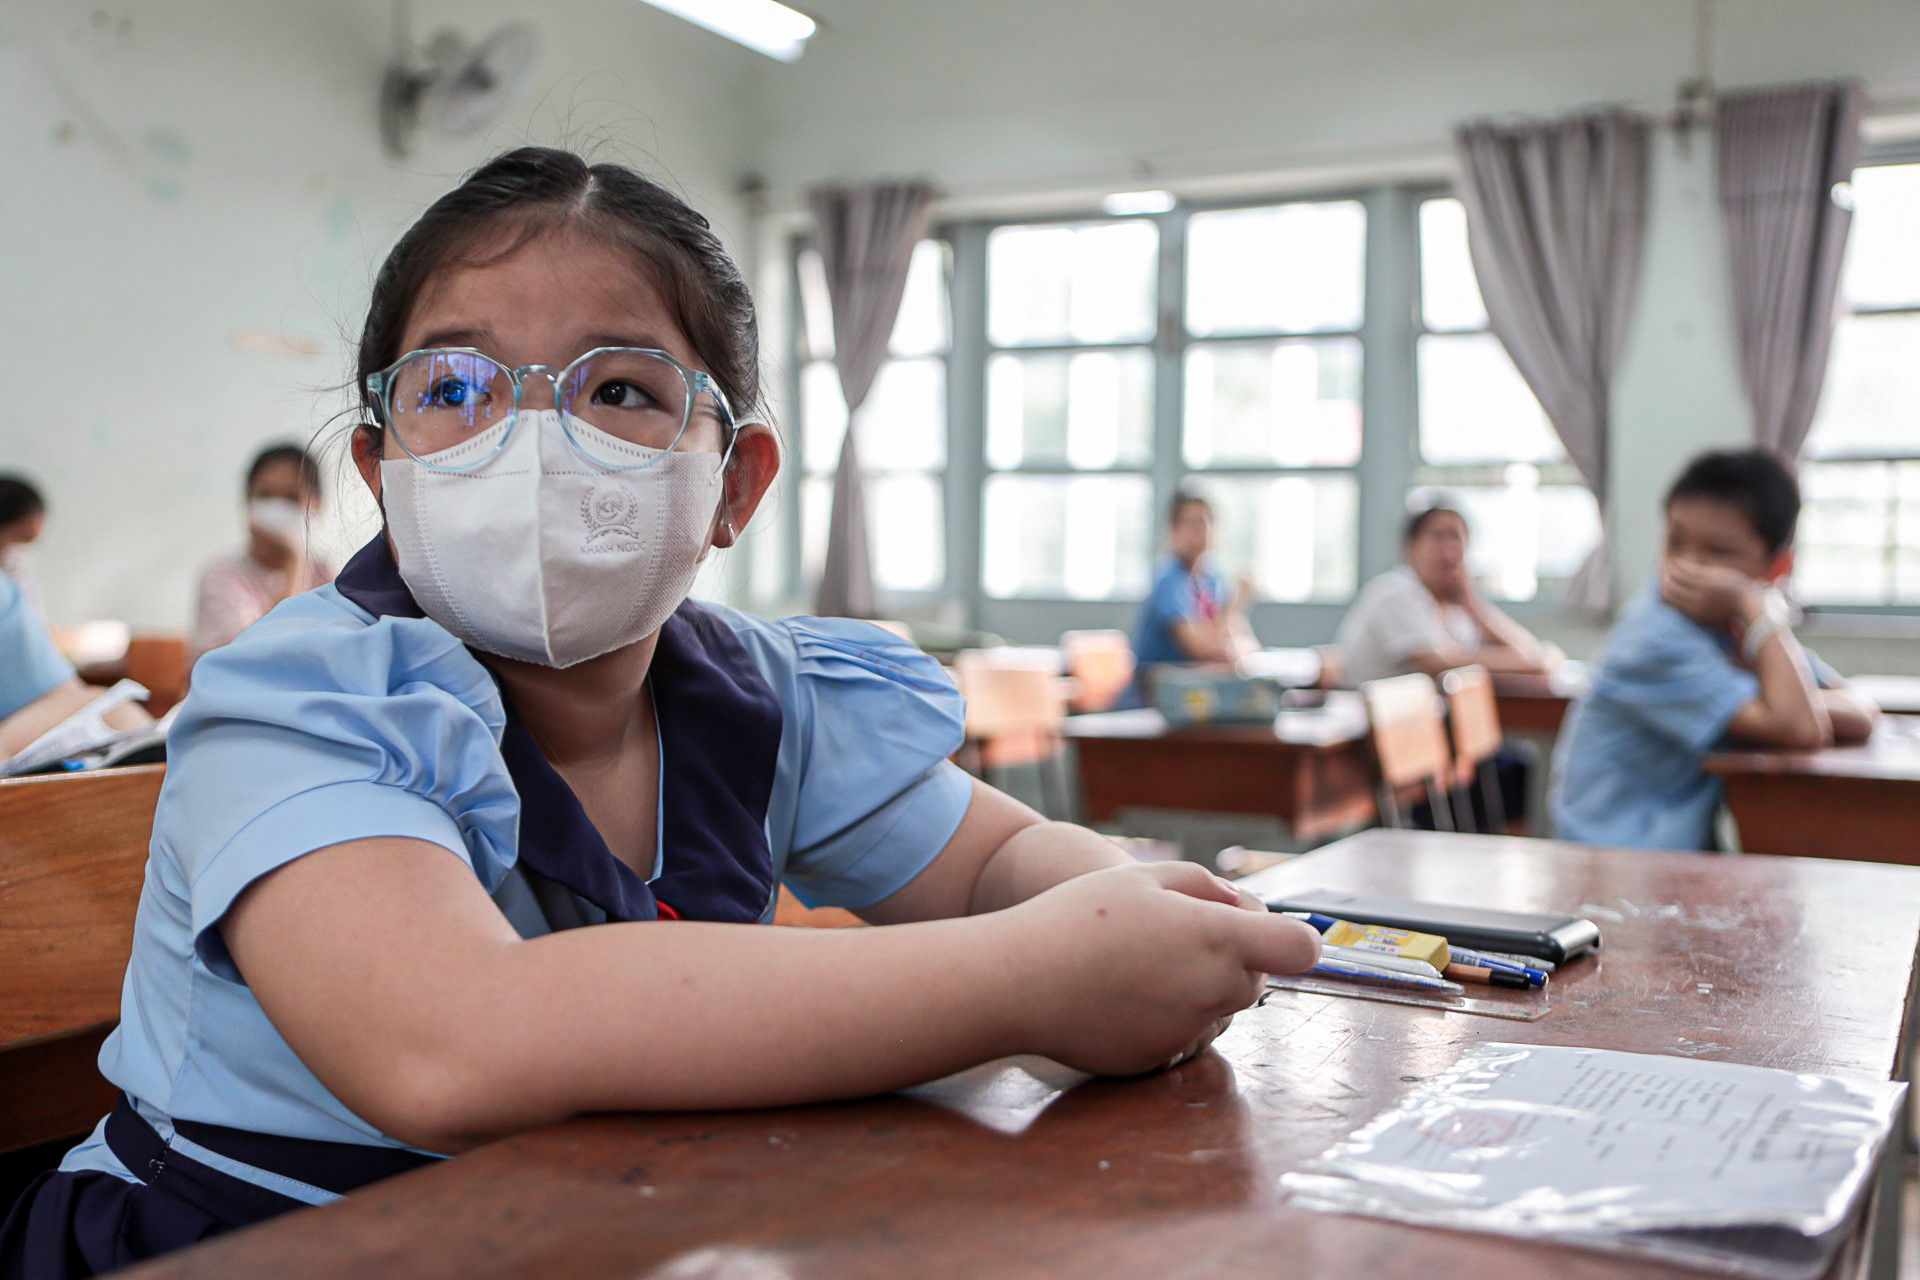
<point x="1486" y="976"/>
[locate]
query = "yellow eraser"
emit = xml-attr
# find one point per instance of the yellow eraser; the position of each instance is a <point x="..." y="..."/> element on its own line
<point x="1405" y="943"/>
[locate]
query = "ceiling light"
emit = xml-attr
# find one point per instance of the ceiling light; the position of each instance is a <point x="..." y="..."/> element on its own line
<point x="763" y="25"/>
<point x="1121" y="203"/>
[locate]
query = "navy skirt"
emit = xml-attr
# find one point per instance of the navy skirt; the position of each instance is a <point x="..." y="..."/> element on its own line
<point x="70" y="1225"/>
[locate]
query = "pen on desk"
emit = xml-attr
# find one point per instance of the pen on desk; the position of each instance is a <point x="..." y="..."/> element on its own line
<point x="1314" y="918"/>
<point x="1376" y="960"/>
<point x="1524" y="962"/>
<point x="1490" y="977"/>
<point x="1368" y="973"/>
<point x="1535" y="977"/>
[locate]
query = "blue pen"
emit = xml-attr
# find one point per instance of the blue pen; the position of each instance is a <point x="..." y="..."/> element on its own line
<point x="1460" y="955"/>
<point x="1314" y="918"/>
<point x="1366" y="973"/>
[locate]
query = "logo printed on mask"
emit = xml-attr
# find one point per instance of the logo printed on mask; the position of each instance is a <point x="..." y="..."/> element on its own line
<point x="610" y="516"/>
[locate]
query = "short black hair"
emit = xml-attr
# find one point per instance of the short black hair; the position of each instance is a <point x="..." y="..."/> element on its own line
<point x="1420" y="516"/>
<point x="1755" y="482"/>
<point x="288" y="452"/>
<point x="1182" y="499"/>
<point x="19" y="499"/>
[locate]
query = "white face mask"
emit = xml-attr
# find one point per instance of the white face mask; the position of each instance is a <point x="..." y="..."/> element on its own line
<point x="542" y="555"/>
<point x="277" y="515"/>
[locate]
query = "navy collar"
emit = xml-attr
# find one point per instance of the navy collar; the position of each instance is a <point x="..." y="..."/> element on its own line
<point x="720" y="726"/>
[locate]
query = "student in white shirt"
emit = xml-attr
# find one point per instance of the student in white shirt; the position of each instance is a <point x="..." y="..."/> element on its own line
<point x="236" y="591"/>
<point x="1426" y="615"/>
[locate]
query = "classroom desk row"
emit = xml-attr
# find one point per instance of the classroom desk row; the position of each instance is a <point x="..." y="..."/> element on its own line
<point x="1310" y="769"/>
<point x="1023" y="1168"/>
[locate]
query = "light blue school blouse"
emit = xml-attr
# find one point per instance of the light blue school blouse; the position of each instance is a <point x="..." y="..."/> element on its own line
<point x="1628" y="767"/>
<point x="321" y="724"/>
<point x="30" y="665"/>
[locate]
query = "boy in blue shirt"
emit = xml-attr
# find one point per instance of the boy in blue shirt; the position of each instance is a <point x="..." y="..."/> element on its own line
<point x="1705" y="654"/>
<point x="1191" y="614"/>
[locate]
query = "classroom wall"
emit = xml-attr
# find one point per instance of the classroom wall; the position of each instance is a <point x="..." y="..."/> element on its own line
<point x="194" y="204"/>
<point x="1014" y="106"/>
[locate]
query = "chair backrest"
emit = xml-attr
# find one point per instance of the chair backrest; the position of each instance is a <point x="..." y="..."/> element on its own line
<point x="1409" y="736"/>
<point x="1474" y="717"/>
<point x="73" y="853"/>
<point x="1102" y="663"/>
<point x="1003" y="701"/>
<point x="159" y="661"/>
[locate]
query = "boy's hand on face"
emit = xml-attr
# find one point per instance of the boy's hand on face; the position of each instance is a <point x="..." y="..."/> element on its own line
<point x="1712" y="595"/>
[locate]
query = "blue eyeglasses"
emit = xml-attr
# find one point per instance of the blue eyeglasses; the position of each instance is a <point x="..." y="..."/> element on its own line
<point x="611" y="400"/>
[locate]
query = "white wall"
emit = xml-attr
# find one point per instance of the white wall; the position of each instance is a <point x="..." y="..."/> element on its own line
<point x="186" y="181"/>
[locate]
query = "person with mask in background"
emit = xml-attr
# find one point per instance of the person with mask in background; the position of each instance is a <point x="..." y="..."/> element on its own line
<point x="483" y="834"/>
<point x="23" y="517"/>
<point x="235" y="591"/>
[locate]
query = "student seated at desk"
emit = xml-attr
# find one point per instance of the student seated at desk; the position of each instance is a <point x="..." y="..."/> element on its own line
<point x="38" y="687"/>
<point x="23" y="518"/>
<point x="481" y="835"/>
<point x="1426" y="615"/>
<point x="1191" y="614"/>
<point x="1705" y="653"/>
<point x="236" y="591"/>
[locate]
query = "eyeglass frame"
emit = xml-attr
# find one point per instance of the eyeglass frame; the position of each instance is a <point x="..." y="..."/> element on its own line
<point x="380" y="389"/>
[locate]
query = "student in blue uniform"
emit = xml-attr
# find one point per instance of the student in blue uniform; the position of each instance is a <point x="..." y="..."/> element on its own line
<point x="1191" y="614"/>
<point x="476" y="837"/>
<point x="1705" y="654"/>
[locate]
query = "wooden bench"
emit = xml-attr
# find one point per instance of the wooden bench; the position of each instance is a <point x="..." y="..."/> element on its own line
<point x="73" y="853"/>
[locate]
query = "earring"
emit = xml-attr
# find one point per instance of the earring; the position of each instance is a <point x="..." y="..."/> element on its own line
<point x="727" y="523"/>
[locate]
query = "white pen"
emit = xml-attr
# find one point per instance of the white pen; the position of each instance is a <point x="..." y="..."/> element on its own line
<point x="1378" y="960"/>
<point x="1367" y="973"/>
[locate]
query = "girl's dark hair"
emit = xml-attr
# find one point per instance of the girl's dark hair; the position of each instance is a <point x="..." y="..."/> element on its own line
<point x="1419" y="519"/>
<point x="19" y="499"/>
<point x="304" y="462"/>
<point x="1182" y="499"/>
<point x="532" y="191"/>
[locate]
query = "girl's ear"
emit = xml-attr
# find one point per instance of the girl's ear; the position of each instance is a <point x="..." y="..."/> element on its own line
<point x="750" y="473"/>
<point x="366" y="445"/>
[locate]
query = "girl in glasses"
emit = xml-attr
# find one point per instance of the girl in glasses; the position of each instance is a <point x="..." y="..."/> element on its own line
<point x="480" y="835"/>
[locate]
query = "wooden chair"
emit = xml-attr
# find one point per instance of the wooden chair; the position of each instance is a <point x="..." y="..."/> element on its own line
<point x="73" y="853"/>
<point x="159" y="661"/>
<point x="1474" y="718"/>
<point x="1409" y="745"/>
<point x="1014" y="717"/>
<point x="1102" y="663"/>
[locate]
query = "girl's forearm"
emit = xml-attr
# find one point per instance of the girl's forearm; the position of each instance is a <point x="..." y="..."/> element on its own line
<point x="1036" y="858"/>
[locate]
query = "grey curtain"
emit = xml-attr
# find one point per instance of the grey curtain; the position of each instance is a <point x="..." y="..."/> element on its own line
<point x="1781" y="152"/>
<point x="1556" y="211"/>
<point x="865" y="237"/>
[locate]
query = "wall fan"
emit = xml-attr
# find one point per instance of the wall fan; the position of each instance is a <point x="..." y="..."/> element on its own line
<point x="452" y="85"/>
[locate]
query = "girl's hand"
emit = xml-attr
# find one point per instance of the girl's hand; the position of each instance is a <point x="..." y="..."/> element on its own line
<point x="1134" y="968"/>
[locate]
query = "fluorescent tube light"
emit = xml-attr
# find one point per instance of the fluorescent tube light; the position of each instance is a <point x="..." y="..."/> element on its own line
<point x="1121" y="203"/>
<point x="765" y="26"/>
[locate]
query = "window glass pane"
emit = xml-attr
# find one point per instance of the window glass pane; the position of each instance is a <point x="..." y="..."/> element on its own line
<point x="1840" y="552"/>
<point x="1292" y="268"/>
<point x="1870" y="403"/>
<point x="1290" y="404"/>
<point x="816" y="504"/>
<point x="1295" y="536"/>
<point x="1449" y="290"/>
<point x="1088" y="283"/>
<point x="920" y="329"/>
<point x="906" y="531"/>
<point x="1474" y="407"/>
<point x="1091" y="409"/>
<point x="816" y="312"/>
<point x="1883" y="253"/>
<point x="903" y="425"/>
<point x="1525" y="538"/>
<point x="1067" y="537"/>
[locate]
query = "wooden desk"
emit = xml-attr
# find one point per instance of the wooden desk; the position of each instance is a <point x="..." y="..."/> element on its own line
<point x="1537" y="704"/>
<point x="1020" y="1169"/>
<point x="1859" y="802"/>
<point x="1309" y="768"/>
<point x="1895" y="695"/>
